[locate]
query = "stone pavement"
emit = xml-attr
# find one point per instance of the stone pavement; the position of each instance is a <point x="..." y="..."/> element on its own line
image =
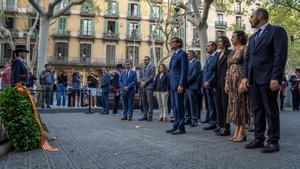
<point x="90" y="141"/>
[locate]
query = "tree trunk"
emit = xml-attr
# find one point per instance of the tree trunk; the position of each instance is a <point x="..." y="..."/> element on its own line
<point x="202" y="30"/>
<point x="43" y="43"/>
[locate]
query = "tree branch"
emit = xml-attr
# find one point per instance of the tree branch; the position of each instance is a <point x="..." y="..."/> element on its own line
<point x="37" y="7"/>
<point x="195" y="8"/>
<point x="204" y="17"/>
<point x="193" y="20"/>
<point x="60" y="12"/>
<point x="53" y="4"/>
<point x="7" y="37"/>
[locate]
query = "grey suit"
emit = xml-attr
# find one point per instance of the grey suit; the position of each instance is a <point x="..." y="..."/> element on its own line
<point x="147" y="76"/>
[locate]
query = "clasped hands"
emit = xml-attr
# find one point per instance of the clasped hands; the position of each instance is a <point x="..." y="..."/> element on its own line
<point x="243" y="87"/>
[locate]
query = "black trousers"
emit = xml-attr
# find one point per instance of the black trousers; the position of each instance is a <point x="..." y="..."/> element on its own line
<point x="295" y="99"/>
<point x="221" y="104"/>
<point x="265" y="108"/>
<point x="116" y="103"/>
<point x="281" y="96"/>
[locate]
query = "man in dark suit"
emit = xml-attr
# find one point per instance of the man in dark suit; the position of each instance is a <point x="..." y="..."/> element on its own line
<point x="191" y="94"/>
<point x="19" y="70"/>
<point x="209" y="84"/>
<point x="105" y="88"/>
<point x="263" y="70"/>
<point x="295" y="89"/>
<point x="128" y="82"/>
<point x="179" y="66"/>
<point x="115" y="85"/>
<point x="147" y="75"/>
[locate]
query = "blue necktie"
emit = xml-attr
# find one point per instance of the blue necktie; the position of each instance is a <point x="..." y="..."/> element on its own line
<point x="257" y="34"/>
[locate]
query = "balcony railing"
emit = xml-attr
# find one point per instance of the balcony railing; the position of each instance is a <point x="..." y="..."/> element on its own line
<point x="154" y="18"/>
<point x="156" y="1"/>
<point x="134" y="38"/>
<point x="110" y="14"/>
<point x="134" y="16"/>
<point x="160" y="39"/>
<point x="87" y="34"/>
<point x="61" y="34"/>
<point x="239" y="26"/>
<point x="221" y="24"/>
<point x="84" y="12"/>
<point x="238" y="11"/>
<point x="65" y="60"/>
<point x="110" y="36"/>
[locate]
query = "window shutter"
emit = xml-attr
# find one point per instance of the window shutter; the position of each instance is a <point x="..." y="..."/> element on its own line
<point x="129" y="10"/>
<point x="93" y="28"/>
<point x="139" y="31"/>
<point x="110" y="7"/>
<point x="117" y="7"/>
<point x="139" y="10"/>
<point x="81" y="26"/>
<point x="105" y="26"/>
<point x="117" y="27"/>
<point x="128" y="29"/>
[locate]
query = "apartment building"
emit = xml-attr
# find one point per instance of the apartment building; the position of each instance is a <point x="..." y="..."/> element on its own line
<point x="108" y="32"/>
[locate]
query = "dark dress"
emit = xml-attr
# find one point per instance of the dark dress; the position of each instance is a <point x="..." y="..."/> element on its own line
<point x="239" y="112"/>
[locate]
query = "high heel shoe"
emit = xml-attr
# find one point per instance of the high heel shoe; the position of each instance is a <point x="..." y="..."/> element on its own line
<point x="241" y="139"/>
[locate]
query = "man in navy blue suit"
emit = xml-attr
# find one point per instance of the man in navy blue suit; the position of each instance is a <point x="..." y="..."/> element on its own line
<point x="265" y="60"/>
<point x="209" y="84"/>
<point x="191" y="95"/>
<point x="179" y="66"/>
<point x="105" y="87"/>
<point x="128" y="81"/>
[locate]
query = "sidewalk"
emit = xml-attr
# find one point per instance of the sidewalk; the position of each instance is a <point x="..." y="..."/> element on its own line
<point x="91" y="141"/>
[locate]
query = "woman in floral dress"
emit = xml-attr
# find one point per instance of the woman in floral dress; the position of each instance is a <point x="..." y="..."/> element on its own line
<point x="239" y="112"/>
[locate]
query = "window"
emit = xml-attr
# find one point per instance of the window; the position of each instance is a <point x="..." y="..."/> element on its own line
<point x="86" y="7"/>
<point x="62" y="25"/>
<point x="238" y="8"/>
<point x="133" y="30"/>
<point x="10" y="23"/>
<point x="158" y="54"/>
<point x="11" y="5"/>
<point x="154" y="30"/>
<point x="220" y="33"/>
<point x="111" y="27"/>
<point x="87" y="27"/>
<point x="238" y="20"/>
<point x="156" y="12"/>
<point x="133" y="54"/>
<point x="85" y="52"/>
<point x="31" y="22"/>
<point x="113" y="7"/>
<point x="220" y="17"/>
<point x="133" y="9"/>
<point x="110" y="54"/>
<point x="61" y="50"/>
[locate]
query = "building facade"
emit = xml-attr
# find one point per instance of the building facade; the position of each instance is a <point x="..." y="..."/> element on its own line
<point x="108" y="32"/>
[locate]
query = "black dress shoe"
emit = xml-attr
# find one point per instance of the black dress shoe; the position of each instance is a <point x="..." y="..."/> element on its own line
<point x="143" y="119"/>
<point x="217" y="130"/>
<point x="124" y="118"/>
<point x="130" y="119"/>
<point x="149" y="118"/>
<point x="172" y="121"/>
<point x="254" y="144"/>
<point x="194" y="125"/>
<point x="204" y="121"/>
<point x="188" y="122"/>
<point x="178" y="132"/>
<point x="224" y="132"/>
<point x="170" y="130"/>
<point x="251" y="130"/>
<point x="270" y="148"/>
<point x="211" y="127"/>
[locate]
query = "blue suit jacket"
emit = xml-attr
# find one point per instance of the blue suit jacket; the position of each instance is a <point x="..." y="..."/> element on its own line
<point x="209" y="69"/>
<point x="265" y="60"/>
<point x="179" y="66"/>
<point x="130" y="82"/>
<point x="105" y="83"/>
<point x="193" y="75"/>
